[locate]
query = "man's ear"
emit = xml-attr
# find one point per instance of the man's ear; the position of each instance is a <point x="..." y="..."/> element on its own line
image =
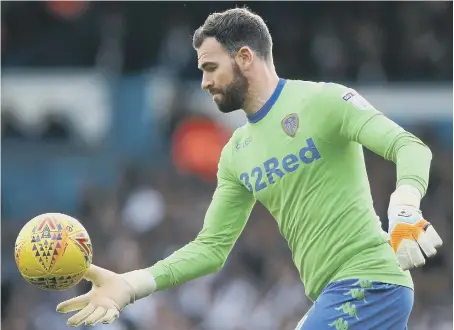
<point x="244" y="58"/>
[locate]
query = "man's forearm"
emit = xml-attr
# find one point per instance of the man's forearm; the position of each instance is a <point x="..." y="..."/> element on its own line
<point x="194" y="260"/>
<point x="224" y="221"/>
<point x="411" y="156"/>
<point x="413" y="160"/>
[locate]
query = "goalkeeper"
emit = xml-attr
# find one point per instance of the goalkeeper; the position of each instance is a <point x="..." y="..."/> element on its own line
<point x="301" y="155"/>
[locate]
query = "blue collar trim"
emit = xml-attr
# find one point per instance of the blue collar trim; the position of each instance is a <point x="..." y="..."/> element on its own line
<point x="263" y="111"/>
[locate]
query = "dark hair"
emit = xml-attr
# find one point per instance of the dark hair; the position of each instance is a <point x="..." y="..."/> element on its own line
<point x="236" y="28"/>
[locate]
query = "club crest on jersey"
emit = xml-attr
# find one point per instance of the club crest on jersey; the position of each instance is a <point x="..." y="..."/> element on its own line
<point x="290" y="124"/>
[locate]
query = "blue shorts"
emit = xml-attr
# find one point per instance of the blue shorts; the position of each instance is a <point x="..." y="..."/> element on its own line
<point x="359" y="305"/>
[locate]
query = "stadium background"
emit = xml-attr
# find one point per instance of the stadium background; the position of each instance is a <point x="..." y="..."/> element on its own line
<point x="103" y="118"/>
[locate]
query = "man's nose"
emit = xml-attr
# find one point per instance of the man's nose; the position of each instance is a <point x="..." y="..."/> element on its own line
<point x="206" y="83"/>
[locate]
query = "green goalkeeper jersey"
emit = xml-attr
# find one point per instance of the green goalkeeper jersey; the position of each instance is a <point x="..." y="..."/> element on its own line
<point x="301" y="156"/>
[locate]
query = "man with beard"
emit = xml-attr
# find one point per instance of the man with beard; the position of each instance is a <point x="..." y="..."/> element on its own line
<point x="301" y="155"/>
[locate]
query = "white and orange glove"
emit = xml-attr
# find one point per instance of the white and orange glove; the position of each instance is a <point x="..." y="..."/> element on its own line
<point x="110" y="293"/>
<point x="409" y="232"/>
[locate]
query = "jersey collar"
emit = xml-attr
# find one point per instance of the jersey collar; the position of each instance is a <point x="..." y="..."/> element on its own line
<point x="263" y="111"/>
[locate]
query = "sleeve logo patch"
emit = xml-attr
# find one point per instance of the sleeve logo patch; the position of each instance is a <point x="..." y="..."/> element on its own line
<point x="357" y="100"/>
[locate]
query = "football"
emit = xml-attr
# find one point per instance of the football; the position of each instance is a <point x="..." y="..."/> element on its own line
<point x="53" y="251"/>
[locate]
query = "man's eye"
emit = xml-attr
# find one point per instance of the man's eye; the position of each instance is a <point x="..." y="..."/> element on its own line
<point x="210" y="68"/>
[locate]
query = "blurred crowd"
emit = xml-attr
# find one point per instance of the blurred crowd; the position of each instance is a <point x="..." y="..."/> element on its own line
<point x="364" y="41"/>
<point x="151" y="211"/>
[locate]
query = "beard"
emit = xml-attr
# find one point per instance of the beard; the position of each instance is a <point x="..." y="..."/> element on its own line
<point x="232" y="96"/>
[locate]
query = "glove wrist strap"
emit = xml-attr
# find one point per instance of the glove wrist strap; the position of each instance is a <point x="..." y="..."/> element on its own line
<point x="141" y="281"/>
<point x="405" y="195"/>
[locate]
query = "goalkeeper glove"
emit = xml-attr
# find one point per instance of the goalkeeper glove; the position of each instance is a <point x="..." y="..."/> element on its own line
<point x="110" y="293"/>
<point x="409" y="232"/>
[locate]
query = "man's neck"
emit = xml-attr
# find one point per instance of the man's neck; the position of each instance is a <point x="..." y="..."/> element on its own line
<point x="260" y="91"/>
